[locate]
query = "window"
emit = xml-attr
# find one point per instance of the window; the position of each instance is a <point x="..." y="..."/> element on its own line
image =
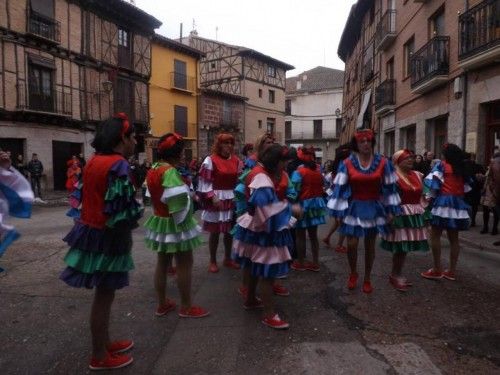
<point x="389" y="69"/>
<point x="410" y="137"/>
<point x="260" y="93"/>
<point x="180" y="78"/>
<point x="317" y="129"/>
<point x="180" y="120"/>
<point x="41" y="20"/>
<point x="338" y="127"/>
<point x="436" y="24"/>
<point x="212" y="66"/>
<point x="408" y="49"/>
<point x="271" y="71"/>
<point x="288" y="107"/>
<point x="271" y="96"/>
<point x="389" y="140"/>
<point x="288" y="129"/>
<point x="41" y="93"/>
<point x="124" y="96"/>
<point x="260" y="124"/>
<point x="124" y="55"/>
<point x="270" y="125"/>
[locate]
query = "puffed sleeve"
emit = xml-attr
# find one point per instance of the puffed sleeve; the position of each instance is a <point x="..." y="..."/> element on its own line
<point x="341" y="193"/>
<point x="176" y="195"/>
<point x="391" y="198"/>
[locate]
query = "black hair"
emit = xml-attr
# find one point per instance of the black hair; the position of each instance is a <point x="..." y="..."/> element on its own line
<point x="172" y="152"/>
<point x="108" y="135"/>
<point x="354" y="144"/>
<point x="271" y="156"/>
<point x="456" y="158"/>
<point x="341" y="153"/>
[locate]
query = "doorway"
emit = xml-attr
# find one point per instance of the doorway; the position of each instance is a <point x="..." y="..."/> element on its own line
<point x="61" y="153"/>
<point x="15" y="146"/>
<point x="492" y="130"/>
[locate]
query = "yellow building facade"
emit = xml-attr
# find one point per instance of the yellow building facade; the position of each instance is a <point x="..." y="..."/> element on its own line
<point x="173" y="93"/>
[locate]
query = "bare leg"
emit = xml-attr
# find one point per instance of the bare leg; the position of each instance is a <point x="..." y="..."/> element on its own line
<point x="252" y="285"/>
<point x="352" y="252"/>
<point x="99" y="321"/>
<point x="184" y="276"/>
<point x="369" y="256"/>
<point x="454" y="249"/>
<point x="398" y="260"/>
<point x="313" y="237"/>
<point x="228" y="244"/>
<point x="267" y="295"/>
<point x="213" y="243"/>
<point x="161" y="277"/>
<point x="341" y="239"/>
<point x="300" y="236"/>
<point x="333" y="228"/>
<point x="436" y="247"/>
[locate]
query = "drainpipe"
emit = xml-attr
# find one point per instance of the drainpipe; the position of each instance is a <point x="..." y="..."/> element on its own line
<point x="465" y="94"/>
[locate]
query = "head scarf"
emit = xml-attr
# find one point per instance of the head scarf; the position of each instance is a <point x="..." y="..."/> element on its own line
<point x="169" y="142"/>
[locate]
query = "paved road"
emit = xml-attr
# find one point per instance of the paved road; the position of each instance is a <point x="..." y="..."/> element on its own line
<point x="437" y="327"/>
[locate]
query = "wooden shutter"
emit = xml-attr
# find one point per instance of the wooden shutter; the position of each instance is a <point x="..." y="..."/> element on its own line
<point x="180" y="120"/>
<point x="180" y="78"/>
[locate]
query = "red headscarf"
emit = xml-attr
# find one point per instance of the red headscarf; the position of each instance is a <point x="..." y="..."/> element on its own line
<point x="169" y="142"/>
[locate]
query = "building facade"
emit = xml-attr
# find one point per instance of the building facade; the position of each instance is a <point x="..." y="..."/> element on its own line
<point x="313" y="110"/>
<point x="173" y="94"/>
<point x="422" y="73"/>
<point x="65" y="65"/>
<point x="243" y="73"/>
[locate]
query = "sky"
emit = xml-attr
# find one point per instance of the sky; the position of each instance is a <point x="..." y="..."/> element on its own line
<point x="303" y="33"/>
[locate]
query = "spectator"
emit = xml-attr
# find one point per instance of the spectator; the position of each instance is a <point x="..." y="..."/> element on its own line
<point x="427" y="162"/>
<point x="82" y="160"/>
<point x="35" y="168"/>
<point x="419" y="164"/>
<point x="473" y="197"/>
<point x="21" y="166"/>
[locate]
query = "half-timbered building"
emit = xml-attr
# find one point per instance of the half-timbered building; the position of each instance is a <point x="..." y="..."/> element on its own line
<point x="65" y="65"/>
<point x="246" y="77"/>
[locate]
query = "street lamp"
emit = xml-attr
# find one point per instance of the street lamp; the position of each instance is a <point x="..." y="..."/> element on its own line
<point x="337" y="112"/>
<point x="107" y="86"/>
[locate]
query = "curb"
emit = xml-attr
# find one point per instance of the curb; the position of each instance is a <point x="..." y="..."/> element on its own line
<point x="481" y="246"/>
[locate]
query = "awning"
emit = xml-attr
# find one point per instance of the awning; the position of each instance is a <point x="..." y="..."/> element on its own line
<point x="364" y="106"/>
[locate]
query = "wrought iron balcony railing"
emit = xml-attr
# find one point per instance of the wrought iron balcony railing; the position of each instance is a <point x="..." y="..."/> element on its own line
<point x="479" y="28"/>
<point x="182" y="82"/>
<point x="43" y="26"/>
<point x="53" y="101"/>
<point x="386" y="29"/>
<point x="385" y="94"/>
<point x="368" y="70"/>
<point x="186" y="129"/>
<point x="432" y="60"/>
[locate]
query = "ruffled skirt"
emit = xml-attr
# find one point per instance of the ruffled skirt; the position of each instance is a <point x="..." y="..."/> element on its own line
<point x="450" y="212"/>
<point x="314" y="213"/>
<point x="164" y="236"/>
<point x="364" y="218"/>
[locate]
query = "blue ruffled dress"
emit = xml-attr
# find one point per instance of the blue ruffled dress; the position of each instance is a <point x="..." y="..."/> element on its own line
<point x="309" y="185"/>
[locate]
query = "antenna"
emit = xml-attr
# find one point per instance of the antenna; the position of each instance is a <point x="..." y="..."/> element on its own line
<point x="216" y="32"/>
<point x="194" y="24"/>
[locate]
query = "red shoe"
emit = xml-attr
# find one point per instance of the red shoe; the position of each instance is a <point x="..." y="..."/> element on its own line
<point x="120" y="346"/>
<point x="229" y="263"/>
<point x="341" y="249"/>
<point x="256" y="304"/>
<point x="166" y="308"/>
<point x="449" y="275"/>
<point x="213" y="268"/>
<point x="352" y="281"/>
<point x="193" y="312"/>
<point x="274" y="321"/>
<point x="243" y="291"/>
<point x="367" y="287"/>
<point x="297" y="266"/>
<point x="310" y="266"/>
<point x="171" y="271"/>
<point x="398" y="283"/>
<point x="432" y="274"/>
<point x="111" y="361"/>
<point x="280" y="290"/>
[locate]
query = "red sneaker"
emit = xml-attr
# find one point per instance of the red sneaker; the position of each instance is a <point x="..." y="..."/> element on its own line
<point x="432" y="274"/>
<point x="166" y="308"/>
<point x="398" y="283"/>
<point x="280" y="290"/>
<point x="352" y="281"/>
<point x="213" y="268"/>
<point x="274" y="321"/>
<point x="120" y="346"/>
<point x="297" y="266"/>
<point x="229" y="263"/>
<point x="171" y="271"/>
<point x="310" y="266"/>
<point x="193" y="312"/>
<point x="367" y="287"/>
<point x="256" y="304"/>
<point x="341" y="249"/>
<point x="449" y="275"/>
<point x="111" y="361"/>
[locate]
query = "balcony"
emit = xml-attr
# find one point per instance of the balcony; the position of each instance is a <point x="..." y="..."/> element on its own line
<point x="186" y="129"/>
<point x="54" y="102"/>
<point x="385" y="97"/>
<point x="44" y="27"/>
<point x="368" y="70"/>
<point x="479" y="32"/>
<point x="386" y="30"/>
<point x="182" y="82"/>
<point x="430" y="65"/>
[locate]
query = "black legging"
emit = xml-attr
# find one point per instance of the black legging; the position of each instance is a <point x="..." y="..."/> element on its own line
<point x="486" y="218"/>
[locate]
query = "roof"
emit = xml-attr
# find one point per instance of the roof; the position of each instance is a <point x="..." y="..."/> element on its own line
<point x="352" y="29"/>
<point x="130" y="15"/>
<point x="244" y="51"/>
<point x="212" y="92"/>
<point x="177" y="46"/>
<point x="317" y="79"/>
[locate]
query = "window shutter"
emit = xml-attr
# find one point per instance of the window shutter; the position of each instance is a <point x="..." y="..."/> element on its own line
<point x="180" y="120"/>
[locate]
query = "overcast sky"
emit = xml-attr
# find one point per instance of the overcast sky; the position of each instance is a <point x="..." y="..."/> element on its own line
<point x="303" y="33"/>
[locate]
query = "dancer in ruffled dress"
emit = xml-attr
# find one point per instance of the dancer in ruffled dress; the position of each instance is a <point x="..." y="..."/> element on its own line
<point x="365" y="197"/>
<point x="217" y="179"/>
<point x="16" y="198"/>
<point x="309" y="184"/>
<point x="409" y="229"/>
<point x="447" y="184"/>
<point x="172" y="230"/>
<point x="262" y="236"/>
<point x="101" y="240"/>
